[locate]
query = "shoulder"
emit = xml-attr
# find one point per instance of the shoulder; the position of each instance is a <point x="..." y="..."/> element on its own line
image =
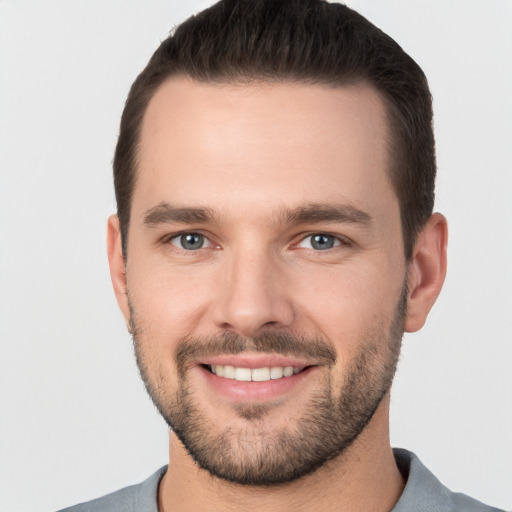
<point x="135" y="498"/>
<point x="424" y="492"/>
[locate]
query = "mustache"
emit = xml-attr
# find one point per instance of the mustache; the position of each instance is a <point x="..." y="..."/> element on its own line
<point x="190" y="349"/>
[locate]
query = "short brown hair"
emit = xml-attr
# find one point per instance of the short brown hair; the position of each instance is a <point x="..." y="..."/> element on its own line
<point x="303" y="41"/>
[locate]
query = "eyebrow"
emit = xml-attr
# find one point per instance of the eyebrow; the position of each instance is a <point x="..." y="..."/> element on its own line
<point x="308" y="214"/>
<point x="316" y="213"/>
<point x="166" y="213"/>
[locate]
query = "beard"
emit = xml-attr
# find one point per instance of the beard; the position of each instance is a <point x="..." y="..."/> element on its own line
<point x="252" y="452"/>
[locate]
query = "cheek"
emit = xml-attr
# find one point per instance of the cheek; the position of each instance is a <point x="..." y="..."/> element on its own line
<point x="357" y="314"/>
<point x="168" y="301"/>
<point x="346" y="304"/>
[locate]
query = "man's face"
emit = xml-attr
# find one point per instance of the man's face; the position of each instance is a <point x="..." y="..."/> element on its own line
<point x="265" y="245"/>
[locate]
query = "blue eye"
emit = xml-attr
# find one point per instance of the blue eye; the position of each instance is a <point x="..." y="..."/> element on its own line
<point x="320" y="242"/>
<point x="190" y="241"/>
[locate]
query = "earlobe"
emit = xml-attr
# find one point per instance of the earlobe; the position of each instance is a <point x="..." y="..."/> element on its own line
<point x="427" y="271"/>
<point x="117" y="265"/>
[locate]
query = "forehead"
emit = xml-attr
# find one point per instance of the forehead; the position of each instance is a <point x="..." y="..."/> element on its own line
<point x="266" y="143"/>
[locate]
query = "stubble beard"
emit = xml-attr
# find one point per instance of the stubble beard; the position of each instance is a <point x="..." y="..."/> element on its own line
<point x="252" y="454"/>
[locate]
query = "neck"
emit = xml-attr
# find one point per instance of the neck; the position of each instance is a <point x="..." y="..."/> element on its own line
<point x="365" y="477"/>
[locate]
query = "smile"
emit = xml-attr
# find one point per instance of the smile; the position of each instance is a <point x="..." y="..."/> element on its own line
<point x="254" y="374"/>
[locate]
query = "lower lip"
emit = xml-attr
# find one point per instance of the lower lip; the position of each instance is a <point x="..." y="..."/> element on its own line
<point x="240" y="391"/>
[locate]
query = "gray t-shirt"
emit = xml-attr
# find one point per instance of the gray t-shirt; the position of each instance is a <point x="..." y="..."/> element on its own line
<point x="423" y="493"/>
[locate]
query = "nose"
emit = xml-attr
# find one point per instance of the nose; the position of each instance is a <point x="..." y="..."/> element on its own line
<point x="253" y="295"/>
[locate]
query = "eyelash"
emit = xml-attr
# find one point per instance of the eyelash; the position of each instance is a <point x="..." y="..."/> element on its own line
<point x="337" y="241"/>
<point x="169" y="240"/>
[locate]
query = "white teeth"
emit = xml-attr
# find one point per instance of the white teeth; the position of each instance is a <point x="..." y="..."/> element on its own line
<point x="276" y="372"/>
<point x="229" y="371"/>
<point x="255" y="374"/>
<point x="288" y="371"/>
<point x="243" y="374"/>
<point x="260" y="374"/>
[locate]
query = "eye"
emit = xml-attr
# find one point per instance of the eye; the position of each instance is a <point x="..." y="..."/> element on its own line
<point x="320" y="242"/>
<point x="190" y="241"/>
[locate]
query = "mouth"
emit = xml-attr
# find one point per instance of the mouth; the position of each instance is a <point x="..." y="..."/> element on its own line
<point x="243" y="374"/>
<point x="255" y="378"/>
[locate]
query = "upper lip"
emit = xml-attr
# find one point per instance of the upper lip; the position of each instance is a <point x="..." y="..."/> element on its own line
<point x="254" y="361"/>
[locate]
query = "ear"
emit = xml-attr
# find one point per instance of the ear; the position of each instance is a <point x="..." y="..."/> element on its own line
<point x="426" y="272"/>
<point x="117" y="266"/>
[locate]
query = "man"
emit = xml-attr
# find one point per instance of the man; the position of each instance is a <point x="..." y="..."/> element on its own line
<point x="274" y="178"/>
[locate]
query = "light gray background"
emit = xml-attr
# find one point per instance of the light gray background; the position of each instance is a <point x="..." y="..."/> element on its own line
<point x="75" y="422"/>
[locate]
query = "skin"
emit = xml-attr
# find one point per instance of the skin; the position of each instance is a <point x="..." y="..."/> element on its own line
<point x="247" y="153"/>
